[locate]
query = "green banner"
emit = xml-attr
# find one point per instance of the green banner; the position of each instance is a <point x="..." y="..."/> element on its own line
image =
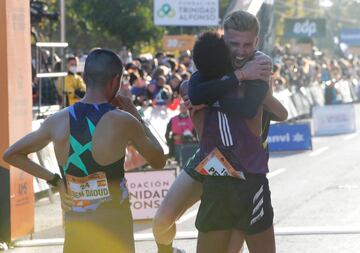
<point x="304" y="28"/>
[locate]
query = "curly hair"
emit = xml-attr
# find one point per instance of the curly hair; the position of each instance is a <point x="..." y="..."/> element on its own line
<point x="212" y="56"/>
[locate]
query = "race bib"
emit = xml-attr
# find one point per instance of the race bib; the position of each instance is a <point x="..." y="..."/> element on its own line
<point x="215" y="164"/>
<point x="88" y="191"/>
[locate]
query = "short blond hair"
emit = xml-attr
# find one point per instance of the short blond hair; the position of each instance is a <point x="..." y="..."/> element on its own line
<point x="241" y="21"/>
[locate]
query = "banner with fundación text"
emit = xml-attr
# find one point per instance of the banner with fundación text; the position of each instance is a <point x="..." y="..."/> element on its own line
<point x="186" y="12"/>
<point x="147" y="191"/>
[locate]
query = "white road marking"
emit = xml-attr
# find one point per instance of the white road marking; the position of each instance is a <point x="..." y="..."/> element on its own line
<point x="279" y="231"/>
<point x="319" y="151"/>
<point x="351" y="136"/>
<point x="275" y="173"/>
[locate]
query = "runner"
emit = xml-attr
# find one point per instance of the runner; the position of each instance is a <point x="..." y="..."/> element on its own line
<point x="90" y="139"/>
<point x="187" y="188"/>
<point x="236" y="202"/>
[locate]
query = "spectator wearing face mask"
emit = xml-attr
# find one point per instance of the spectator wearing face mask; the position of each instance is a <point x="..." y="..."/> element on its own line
<point x="73" y="88"/>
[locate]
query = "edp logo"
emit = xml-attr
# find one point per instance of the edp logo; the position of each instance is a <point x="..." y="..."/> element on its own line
<point x="307" y="27"/>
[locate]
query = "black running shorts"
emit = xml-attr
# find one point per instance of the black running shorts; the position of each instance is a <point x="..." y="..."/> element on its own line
<point x="229" y="203"/>
<point x="191" y="165"/>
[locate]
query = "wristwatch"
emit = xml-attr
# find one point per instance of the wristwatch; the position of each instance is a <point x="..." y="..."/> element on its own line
<point x="54" y="181"/>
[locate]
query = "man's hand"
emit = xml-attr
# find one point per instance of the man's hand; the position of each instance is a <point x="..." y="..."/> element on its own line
<point x="258" y="68"/>
<point x="66" y="200"/>
<point x="124" y="103"/>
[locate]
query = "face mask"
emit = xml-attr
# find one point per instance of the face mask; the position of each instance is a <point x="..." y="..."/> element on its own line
<point x="73" y="69"/>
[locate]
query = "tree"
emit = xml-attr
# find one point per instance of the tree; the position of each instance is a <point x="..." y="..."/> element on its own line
<point x="111" y="23"/>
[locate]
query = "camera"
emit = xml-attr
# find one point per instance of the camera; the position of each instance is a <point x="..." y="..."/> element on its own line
<point x="39" y="11"/>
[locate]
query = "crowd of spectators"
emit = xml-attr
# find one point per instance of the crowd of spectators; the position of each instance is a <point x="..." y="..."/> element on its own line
<point x="154" y="80"/>
<point x="148" y="80"/>
<point x="315" y="68"/>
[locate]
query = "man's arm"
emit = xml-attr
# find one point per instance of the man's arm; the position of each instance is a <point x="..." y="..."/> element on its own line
<point x="17" y="156"/>
<point x="146" y="143"/>
<point x="80" y="85"/>
<point x="208" y="92"/>
<point x="140" y="135"/>
<point x="277" y="111"/>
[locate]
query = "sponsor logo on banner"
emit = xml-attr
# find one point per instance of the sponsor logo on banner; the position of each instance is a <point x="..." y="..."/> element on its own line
<point x="304" y="28"/>
<point x="147" y="191"/>
<point x="351" y="37"/>
<point x="334" y="119"/>
<point x="186" y="12"/>
<point x="287" y="137"/>
<point x="301" y="48"/>
<point x="178" y="42"/>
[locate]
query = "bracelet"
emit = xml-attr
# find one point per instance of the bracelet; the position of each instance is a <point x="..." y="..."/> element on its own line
<point x="54" y="180"/>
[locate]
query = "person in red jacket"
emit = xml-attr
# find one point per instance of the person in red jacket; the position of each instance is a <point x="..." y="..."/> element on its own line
<point x="180" y="130"/>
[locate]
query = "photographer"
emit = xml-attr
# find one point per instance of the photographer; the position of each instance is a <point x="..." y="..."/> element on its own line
<point x="74" y="87"/>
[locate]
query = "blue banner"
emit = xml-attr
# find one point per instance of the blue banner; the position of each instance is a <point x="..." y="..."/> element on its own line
<point x="287" y="137"/>
<point x="350" y="37"/>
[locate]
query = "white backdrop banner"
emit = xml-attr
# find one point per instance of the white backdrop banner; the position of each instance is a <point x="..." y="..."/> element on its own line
<point x="186" y="12"/>
<point x="147" y="191"/>
<point x="334" y="119"/>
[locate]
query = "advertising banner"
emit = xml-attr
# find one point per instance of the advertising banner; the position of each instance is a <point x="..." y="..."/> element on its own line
<point x="288" y="137"/>
<point x="178" y="42"/>
<point x="186" y="12"/>
<point x="304" y="28"/>
<point x="147" y="191"/>
<point x="16" y="191"/>
<point x="334" y="119"/>
<point x="21" y="203"/>
<point x="351" y="37"/>
<point x="301" y="48"/>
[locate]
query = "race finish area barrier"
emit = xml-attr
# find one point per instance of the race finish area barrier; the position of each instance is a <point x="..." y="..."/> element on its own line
<point x="147" y="190"/>
<point x="334" y="119"/>
<point x="289" y="137"/>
